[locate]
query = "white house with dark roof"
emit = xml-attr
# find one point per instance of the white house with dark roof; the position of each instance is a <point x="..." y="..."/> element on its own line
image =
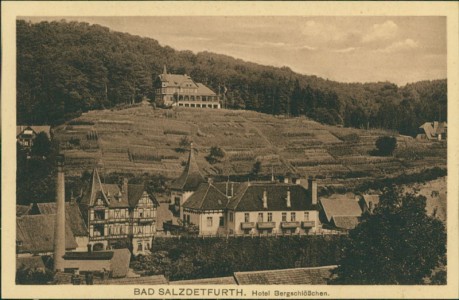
<point x="181" y="90"/>
<point x="253" y="208"/>
<point x="433" y="131"/>
<point x="115" y="213"/>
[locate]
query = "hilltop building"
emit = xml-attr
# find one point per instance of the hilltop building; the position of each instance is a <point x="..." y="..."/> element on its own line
<point x="115" y="213"/>
<point x="25" y="135"/>
<point x="181" y="90"/>
<point x="433" y="131"/>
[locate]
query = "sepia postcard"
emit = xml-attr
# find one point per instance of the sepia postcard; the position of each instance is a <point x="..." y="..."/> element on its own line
<point x="230" y="150"/>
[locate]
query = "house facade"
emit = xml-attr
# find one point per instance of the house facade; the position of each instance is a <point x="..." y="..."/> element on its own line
<point x="116" y="213"/>
<point x="433" y="131"/>
<point x="253" y="208"/>
<point x="182" y="91"/>
<point x="25" y="135"/>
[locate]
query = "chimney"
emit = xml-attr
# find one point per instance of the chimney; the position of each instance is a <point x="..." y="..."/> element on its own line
<point x="265" y="199"/>
<point x="289" y="203"/>
<point x="125" y="185"/>
<point x="59" y="224"/>
<point x="312" y="189"/>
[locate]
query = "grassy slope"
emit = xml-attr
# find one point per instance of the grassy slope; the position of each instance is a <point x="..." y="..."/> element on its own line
<point x="283" y="144"/>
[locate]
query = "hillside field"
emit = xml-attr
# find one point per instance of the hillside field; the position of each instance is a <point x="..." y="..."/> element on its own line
<point x="142" y="139"/>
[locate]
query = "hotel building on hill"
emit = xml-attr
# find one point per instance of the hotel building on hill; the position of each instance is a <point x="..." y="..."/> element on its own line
<point x="182" y="91"/>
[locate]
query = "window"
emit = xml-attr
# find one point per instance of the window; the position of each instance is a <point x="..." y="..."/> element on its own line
<point x="139" y="246"/>
<point x="293" y="217"/>
<point x="270" y="217"/>
<point x="306" y="216"/>
<point x="246" y="217"/>
<point x="284" y="217"/>
<point x="260" y="217"/>
<point x="221" y="222"/>
<point x="177" y="200"/>
<point x="209" y="221"/>
<point x="140" y="213"/>
<point x="117" y="214"/>
<point x="231" y="217"/>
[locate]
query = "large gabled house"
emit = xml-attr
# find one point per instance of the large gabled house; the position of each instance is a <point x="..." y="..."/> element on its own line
<point x="181" y="90"/>
<point x="249" y="208"/>
<point x="115" y="213"/>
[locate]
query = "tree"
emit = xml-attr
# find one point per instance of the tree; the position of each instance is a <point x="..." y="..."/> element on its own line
<point x="216" y="153"/>
<point x="397" y="244"/>
<point x="256" y="168"/>
<point x="184" y="144"/>
<point x="41" y="145"/>
<point x="386" y="145"/>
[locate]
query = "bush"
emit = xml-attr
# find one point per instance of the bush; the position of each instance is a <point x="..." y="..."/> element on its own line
<point x="216" y="153"/>
<point x="385" y="145"/>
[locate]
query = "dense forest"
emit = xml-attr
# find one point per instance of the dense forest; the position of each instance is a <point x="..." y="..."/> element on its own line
<point x="66" y="68"/>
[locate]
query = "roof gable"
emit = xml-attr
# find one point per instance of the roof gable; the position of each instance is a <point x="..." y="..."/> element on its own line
<point x="207" y="197"/>
<point x="345" y="222"/>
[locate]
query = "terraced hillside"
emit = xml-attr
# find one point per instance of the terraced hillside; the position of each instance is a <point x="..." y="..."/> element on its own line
<point x="141" y="139"/>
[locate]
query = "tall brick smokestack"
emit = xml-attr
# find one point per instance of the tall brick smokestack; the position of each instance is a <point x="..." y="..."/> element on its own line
<point x="59" y="224"/>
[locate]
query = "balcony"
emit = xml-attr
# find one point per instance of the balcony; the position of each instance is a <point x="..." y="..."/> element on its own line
<point x="98" y="221"/>
<point x="143" y="235"/>
<point x="289" y="225"/>
<point x="266" y="225"/>
<point x="118" y="220"/>
<point x="145" y="220"/>
<point x="247" y="225"/>
<point x="98" y="238"/>
<point x="308" y="224"/>
<point x="116" y="236"/>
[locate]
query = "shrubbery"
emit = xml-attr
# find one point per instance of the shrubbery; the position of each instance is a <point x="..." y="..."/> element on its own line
<point x="192" y="258"/>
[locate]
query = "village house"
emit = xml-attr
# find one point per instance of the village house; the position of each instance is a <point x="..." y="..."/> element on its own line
<point x="433" y="131"/>
<point x="340" y="212"/>
<point x="25" y="135"/>
<point x="116" y="213"/>
<point x="182" y="91"/>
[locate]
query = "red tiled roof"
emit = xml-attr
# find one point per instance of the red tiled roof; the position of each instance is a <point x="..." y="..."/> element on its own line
<point x="316" y="275"/>
<point x="216" y="280"/>
<point x="340" y="205"/>
<point x="73" y="216"/>
<point x="345" y="222"/>
<point x="36" y="232"/>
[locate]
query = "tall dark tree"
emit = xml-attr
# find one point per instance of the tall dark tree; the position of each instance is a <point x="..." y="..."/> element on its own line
<point x="397" y="244"/>
<point x="41" y="145"/>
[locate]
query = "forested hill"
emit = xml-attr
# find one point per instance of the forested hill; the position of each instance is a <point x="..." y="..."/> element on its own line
<point x="65" y="68"/>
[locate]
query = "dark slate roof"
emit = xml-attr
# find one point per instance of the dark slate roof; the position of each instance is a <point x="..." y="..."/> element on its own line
<point x="207" y="197"/>
<point x="135" y="192"/>
<point x="32" y="262"/>
<point x="36" y="232"/>
<point x="216" y="280"/>
<point x="340" y="205"/>
<point x="150" y="280"/>
<point x="73" y="216"/>
<point x="120" y="262"/>
<point x="317" y="275"/>
<point x="345" y="222"/>
<point x="249" y="197"/>
<point x="23" y="210"/>
<point x="191" y="177"/>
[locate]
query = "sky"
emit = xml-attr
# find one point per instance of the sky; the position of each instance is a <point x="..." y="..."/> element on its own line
<point x="345" y="49"/>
